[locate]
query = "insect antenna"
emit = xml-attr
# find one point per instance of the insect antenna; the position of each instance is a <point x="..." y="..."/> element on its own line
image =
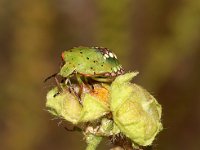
<point x="51" y="76"/>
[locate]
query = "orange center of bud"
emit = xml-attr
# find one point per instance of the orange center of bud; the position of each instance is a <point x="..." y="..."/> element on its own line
<point x="101" y="93"/>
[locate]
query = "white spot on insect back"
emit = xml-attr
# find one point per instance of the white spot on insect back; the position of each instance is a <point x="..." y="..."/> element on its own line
<point x="106" y="55"/>
<point x="115" y="56"/>
<point x="118" y="67"/>
<point x="111" y="55"/>
<point x="115" y="69"/>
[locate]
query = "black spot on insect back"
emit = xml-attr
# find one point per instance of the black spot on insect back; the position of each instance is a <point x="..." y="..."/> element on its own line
<point x="88" y="58"/>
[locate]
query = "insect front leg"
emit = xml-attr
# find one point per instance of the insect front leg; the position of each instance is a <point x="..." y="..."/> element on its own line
<point x="60" y="88"/>
<point x="81" y="85"/>
<point x="70" y="87"/>
<point x="89" y="84"/>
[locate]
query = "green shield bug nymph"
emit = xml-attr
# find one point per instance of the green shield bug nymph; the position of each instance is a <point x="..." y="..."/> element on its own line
<point x="96" y="62"/>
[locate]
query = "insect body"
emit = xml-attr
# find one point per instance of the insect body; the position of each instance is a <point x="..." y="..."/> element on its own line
<point x="96" y="62"/>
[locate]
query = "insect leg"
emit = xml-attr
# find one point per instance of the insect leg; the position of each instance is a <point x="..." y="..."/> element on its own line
<point x="88" y="84"/>
<point x="60" y="89"/>
<point x="81" y="85"/>
<point x="70" y="87"/>
<point x="75" y="128"/>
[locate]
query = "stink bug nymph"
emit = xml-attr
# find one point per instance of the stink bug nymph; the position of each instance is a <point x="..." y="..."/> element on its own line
<point x="98" y="63"/>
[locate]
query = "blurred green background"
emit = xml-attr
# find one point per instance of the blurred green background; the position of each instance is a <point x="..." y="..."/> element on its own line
<point x="160" y="39"/>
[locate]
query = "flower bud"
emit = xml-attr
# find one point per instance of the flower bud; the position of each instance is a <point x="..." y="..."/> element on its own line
<point x="135" y="111"/>
<point x="66" y="105"/>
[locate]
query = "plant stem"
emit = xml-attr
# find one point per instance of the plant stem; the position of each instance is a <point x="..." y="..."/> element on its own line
<point x="92" y="141"/>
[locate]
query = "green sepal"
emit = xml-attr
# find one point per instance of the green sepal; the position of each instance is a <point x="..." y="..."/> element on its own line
<point x="64" y="105"/>
<point x="93" y="108"/>
<point x="120" y="90"/>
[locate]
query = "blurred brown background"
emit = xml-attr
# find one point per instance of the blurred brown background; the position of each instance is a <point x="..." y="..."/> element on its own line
<point x="159" y="38"/>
